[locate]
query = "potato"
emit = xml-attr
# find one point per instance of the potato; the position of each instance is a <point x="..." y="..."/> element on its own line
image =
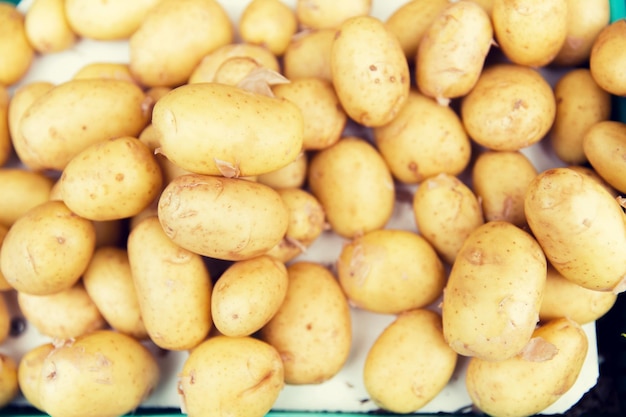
<point x="584" y="23"/>
<point x="15" y="48"/>
<point x="580" y="227"/>
<point x="247" y="295"/>
<point x="323" y="14"/>
<point x="47" y="249"/>
<point x="502" y="195"/>
<point x="109" y="283"/>
<point x="235" y="69"/>
<point x="6" y="147"/>
<point x="452" y="51"/>
<point x="235" y="127"/>
<point x="425" y="139"/>
<point x="446" y="211"/>
<point x="237" y="376"/>
<point x="269" y="23"/>
<point x="409" y="363"/>
<point x="162" y="270"/>
<point x="106" y="70"/>
<point x="492" y="299"/>
<point x="522" y="39"/>
<point x="4" y="285"/>
<point x="9" y="387"/>
<point x="510" y="108"/>
<point x="111" y="180"/>
<point x="47" y="28"/>
<point x="308" y="55"/>
<point x="51" y="139"/>
<point x="580" y="103"/>
<point x="104" y="373"/>
<point x="307" y="219"/>
<point x="390" y="271"/>
<point x="604" y="145"/>
<point x="372" y="83"/>
<point x="64" y="315"/>
<point x="29" y="370"/>
<point x="354" y="185"/>
<point x="605" y="59"/>
<point x="5" y="319"/>
<point x="531" y="381"/>
<point x="21" y="190"/>
<point x="223" y="218"/>
<point x="292" y="175"/>
<point x="312" y="329"/>
<point x="164" y="53"/>
<point x="563" y="298"/>
<point x="324" y="119"/>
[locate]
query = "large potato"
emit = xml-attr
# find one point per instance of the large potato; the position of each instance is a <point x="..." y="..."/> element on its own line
<point x="21" y="190"/>
<point x="604" y="145"/>
<point x="15" y="49"/>
<point x="606" y="60"/>
<point x="323" y="14"/>
<point x="47" y="28"/>
<point x="372" y="83"/>
<point x="492" y="299"/>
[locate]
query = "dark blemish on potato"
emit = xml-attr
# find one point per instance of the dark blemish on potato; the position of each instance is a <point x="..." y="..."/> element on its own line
<point x="392" y="79"/>
<point x="235" y="316"/>
<point x="373" y="67"/>
<point x="83" y="127"/>
<point x="119" y="177"/>
<point x="337" y="34"/>
<point x="309" y="326"/>
<point x="17" y="326"/>
<point x="60" y="240"/>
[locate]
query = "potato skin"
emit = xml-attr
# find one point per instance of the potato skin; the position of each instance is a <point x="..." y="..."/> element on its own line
<point x="605" y="61"/>
<point x="6" y="146"/>
<point x="323" y="14"/>
<point x="29" y="371"/>
<point x="47" y="28"/>
<point x="9" y="386"/>
<point x="269" y="23"/>
<point x="308" y="55"/>
<point x="15" y="202"/>
<point x="14" y="45"/>
<point x="604" y="145"/>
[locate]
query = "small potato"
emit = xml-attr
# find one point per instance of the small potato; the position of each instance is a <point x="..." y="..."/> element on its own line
<point x="324" y="14"/>
<point x="104" y="373"/>
<point x="526" y="384"/>
<point x="452" y="51"/>
<point x="63" y="315"/>
<point x="312" y="329"/>
<point x="425" y="139"/>
<point x="372" y="83"/>
<point x="15" y="49"/>
<point x="446" y="211"/>
<point x="292" y="175"/>
<point x="606" y="61"/>
<point x="354" y="185"/>
<point x="5" y="319"/>
<point x="9" y="386"/>
<point x="21" y="190"/>
<point x="580" y="227"/>
<point x="307" y="219"/>
<point x="109" y="283"/>
<point x="502" y="195"/>
<point x="235" y="69"/>
<point x="235" y="127"/>
<point x="492" y="299"/>
<point x="106" y="70"/>
<point x="308" y="55"/>
<point x="522" y="38"/>
<point x="29" y="372"/>
<point x="236" y="376"/>
<point x="390" y="271"/>
<point x="270" y="23"/>
<point x="162" y="270"/>
<point x="563" y="298"/>
<point x="6" y="147"/>
<point x="247" y="295"/>
<point x="111" y="180"/>
<point x="604" y="145"/>
<point x="223" y="218"/>
<point x="164" y="52"/>
<point x="510" y="108"/>
<point x="47" y="249"/>
<point x="410" y="363"/>
<point x="47" y="28"/>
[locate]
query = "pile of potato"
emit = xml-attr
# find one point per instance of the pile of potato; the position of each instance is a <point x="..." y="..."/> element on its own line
<point x="166" y="200"/>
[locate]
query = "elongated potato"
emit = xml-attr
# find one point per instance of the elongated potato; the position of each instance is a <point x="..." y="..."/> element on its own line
<point x="604" y="145"/>
<point x="15" y="48"/>
<point x="21" y="190"/>
<point x="47" y="28"/>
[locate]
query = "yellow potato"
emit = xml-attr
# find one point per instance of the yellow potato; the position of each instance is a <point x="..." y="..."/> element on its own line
<point x="6" y="147"/>
<point x="47" y="28"/>
<point x="4" y="285"/>
<point x="223" y="218"/>
<point x="390" y="271"/>
<point x="530" y="32"/>
<point x="592" y="174"/>
<point x="308" y="55"/>
<point x="111" y="180"/>
<point x="584" y="23"/>
<point x="235" y="127"/>
<point x="237" y="376"/>
<point x="63" y="315"/>
<point x="5" y="319"/>
<point x="292" y="175"/>
<point x="104" y="373"/>
<point x="270" y="23"/>
<point x="106" y="70"/>
<point x="606" y="61"/>
<point x="109" y="283"/>
<point x="15" y="49"/>
<point x="580" y="227"/>
<point x="354" y="185"/>
<point x="247" y="295"/>
<point x="29" y="371"/>
<point x="502" y="195"/>
<point x="425" y="139"/>
<point x="307" y="219"/>
<point x="510" y="108"/>
<point x="452" y="51"/>
<point x="526" y="384"/>
<point x="492" y="299"/>
<point x="323" y="14"/>
<point x="372" y="83"/>
<point x="21" y="190"/>
<point x="312" y="329"/>
<point x="235" y="69"/>
<point x="162" y="270"/>
<point x="604" y="145"/>
<point x="47" y="249"/>
<point x="9" y="386"/>
<point x="51" y="138"/>
<point x="409" y="363"/>
<point x="446" y="211"/>
<point x="164" y="52"/>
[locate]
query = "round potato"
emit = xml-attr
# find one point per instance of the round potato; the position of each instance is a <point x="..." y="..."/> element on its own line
<point x="292" y="175"/>
<point x="106" y="70"/>
<point x="308" y="55"/>
<point x="604" y="145"/>
<point x="605" y="59"/>
<point x="270" y="23"/>
<point x="47" y="28"/>
<point x="16" y="50"/>
<point x="307" y="219"/>
<point x="410" y="363"/>
<point x="323" y="14"/>
<point x="21" y="190"/>
<point x="6" y="146"/>
<point x="29" y="372"/>
<point x="9" y="386"/>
